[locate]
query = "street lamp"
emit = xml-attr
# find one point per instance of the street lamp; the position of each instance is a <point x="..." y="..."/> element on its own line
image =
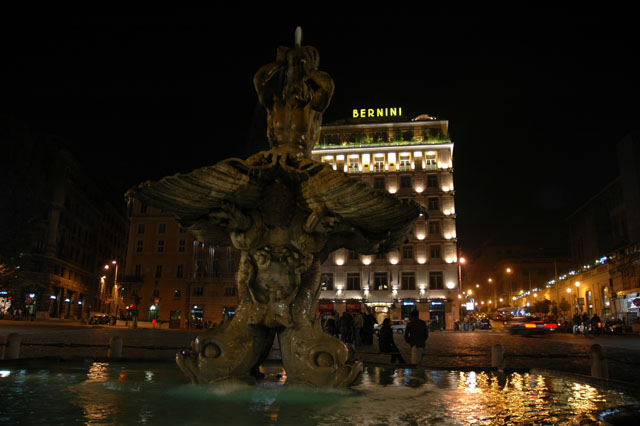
<point x="114" y="291"/>
<point x="578" y="295"/>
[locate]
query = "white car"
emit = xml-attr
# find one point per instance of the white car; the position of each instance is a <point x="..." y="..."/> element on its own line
<point x="398" y="326"/>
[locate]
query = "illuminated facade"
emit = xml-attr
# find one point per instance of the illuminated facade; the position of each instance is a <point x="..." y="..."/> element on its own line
<point x="177" y="280"/>
<point x="412" y="159"/>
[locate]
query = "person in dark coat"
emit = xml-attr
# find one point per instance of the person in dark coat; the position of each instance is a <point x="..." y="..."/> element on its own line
<point x="386" y="343"/>
<point x="346" y="328"/>
<point x="416" y="334"/>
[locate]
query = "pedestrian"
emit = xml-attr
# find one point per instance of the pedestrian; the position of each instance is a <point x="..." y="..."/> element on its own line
<point x="330" y="324"/>
<point x="416" y="334"/>
<point x="358" y="323"/>
<point x="386" y="343"/>
<point x="346" y="328"/>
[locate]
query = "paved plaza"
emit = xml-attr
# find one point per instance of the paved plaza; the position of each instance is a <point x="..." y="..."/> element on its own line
<point x="445" y="349"/>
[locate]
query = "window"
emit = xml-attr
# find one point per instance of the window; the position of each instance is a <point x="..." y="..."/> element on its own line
<point x="179" y="271"/>
<point x="435" y="281"/>
<point x="156" y="293"/>
<point x="432" y="181"/>
<point x="434" y="227"/>
<point x="407" y="252"/>
<point x="378" y="182"/>
<point x="230" y="291"/>
<point x="181" y="245"/>
<point x="177" y="293"/>
<point x="405" y="181"/>
<point x="327" y="281"/>
<point x="434" y="252"/>
<point x="431" y="161"/>
<point x="353" y="255"/>
<point x="160" y="245"/>
<point x="162" y="228"/>
<point x="405" y="163"/>
<point x="198" y="291"/>
<point x="354" y="165"/>
<point x="433" y="204"/>
<point x="138" y="271"/>
<point x="408" y="281"/>
<point x="353" y="281"/>
<point x="139" y="246"/>
<point x="141" y="228"/>
<point x="378" y="163"/>
<point x="143" y="208"/>
<point x="380" y="255"/>
<point x="380" y="281"/>
<point x="158" y="271"/>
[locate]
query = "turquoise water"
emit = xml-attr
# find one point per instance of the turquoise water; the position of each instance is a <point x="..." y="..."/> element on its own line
<point x="158" y="394"/>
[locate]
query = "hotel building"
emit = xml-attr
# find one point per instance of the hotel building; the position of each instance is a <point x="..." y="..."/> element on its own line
<point x="412" y="159"/>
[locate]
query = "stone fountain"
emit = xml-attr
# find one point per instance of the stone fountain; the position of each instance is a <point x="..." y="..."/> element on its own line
<point x="286" y="213"/>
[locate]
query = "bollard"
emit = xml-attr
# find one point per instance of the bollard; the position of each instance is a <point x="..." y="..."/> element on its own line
<point x="11" y="349"/>
<point x="115" y="347"/>
<point x="598" y="361"/>
<point x="497" y="356"/>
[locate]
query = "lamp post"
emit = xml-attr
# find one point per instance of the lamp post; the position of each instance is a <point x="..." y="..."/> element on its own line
<point x="578" y="296"/>
<point x="114" y="290"/>
<point x="461" y="261"/>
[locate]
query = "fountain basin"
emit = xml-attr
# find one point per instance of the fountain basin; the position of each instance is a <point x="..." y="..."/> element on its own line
<point x="96" y="393"/>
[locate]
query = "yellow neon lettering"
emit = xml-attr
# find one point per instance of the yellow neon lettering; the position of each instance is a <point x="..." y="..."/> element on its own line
<point x="380" y="112"/>
<point x="370" y="112"/>
<point x="392" y="112"/>
<point x="399" y="111"/>
<point x="363" y="113"/>
<point x="355" y="113"/>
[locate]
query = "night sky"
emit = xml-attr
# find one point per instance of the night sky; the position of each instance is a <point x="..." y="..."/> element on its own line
<point x="536" y="101"/>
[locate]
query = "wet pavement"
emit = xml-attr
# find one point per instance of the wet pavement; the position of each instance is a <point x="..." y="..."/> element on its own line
<point x="445" y="349"/>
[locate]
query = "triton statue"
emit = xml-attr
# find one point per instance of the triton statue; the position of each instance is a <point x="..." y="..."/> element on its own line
<point x="286" y="213"/>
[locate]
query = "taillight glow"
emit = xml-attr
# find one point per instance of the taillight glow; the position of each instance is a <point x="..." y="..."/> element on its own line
<point x="551" y="325"/>
<point x="529" y="325"/>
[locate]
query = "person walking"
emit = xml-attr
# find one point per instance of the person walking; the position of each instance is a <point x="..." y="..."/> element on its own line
<point x="416" y="334"/>
<point x="386" y="343"/>
<point x="346" y="328"/>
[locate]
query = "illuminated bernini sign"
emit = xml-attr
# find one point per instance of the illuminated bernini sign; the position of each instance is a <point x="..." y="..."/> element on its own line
<point x="377" y="112"/>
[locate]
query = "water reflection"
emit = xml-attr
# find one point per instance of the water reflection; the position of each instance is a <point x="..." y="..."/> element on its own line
<point x="107" y="394"/>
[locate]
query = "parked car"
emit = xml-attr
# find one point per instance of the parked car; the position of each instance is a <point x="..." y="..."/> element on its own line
<point x="101" y="319"/>
<point x="528" y="326"/>
<point x="398" y="326"/>
<point x="484" y="324"/>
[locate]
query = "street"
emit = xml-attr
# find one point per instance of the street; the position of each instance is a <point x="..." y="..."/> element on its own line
<point x="445" y="349"/>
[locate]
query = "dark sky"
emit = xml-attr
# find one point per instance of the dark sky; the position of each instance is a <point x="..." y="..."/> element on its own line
<point x="536" y="100"/>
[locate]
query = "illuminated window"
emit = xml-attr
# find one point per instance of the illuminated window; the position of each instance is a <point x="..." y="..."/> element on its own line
<point x="405" y="163"/>
<point x="435" y="281"/>
<point x="380" y="281"/>
<point x="353" y="281"/>
<point x="327" y="281"/>
<point x="431" y="161"/>
<point x="408" y="281"/>
<point x="378" y="163"/>
<point x="354" y="165"/>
